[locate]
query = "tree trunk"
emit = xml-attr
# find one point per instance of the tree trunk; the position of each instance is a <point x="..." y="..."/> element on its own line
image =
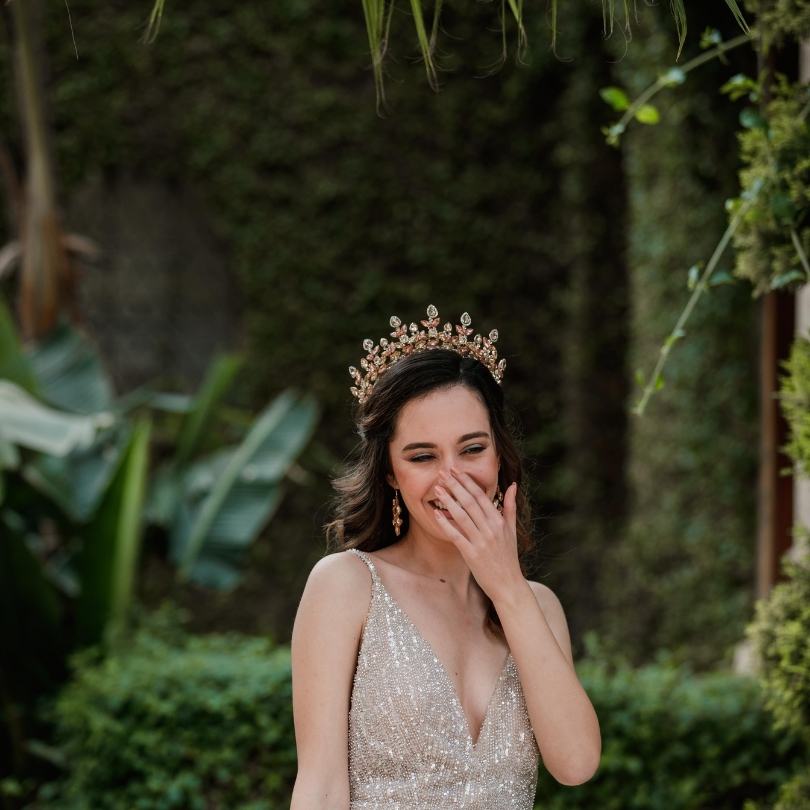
<point x="46" y="279"/>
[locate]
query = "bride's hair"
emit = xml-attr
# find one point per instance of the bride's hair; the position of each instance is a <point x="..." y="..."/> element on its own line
<point x="363" y="503"/>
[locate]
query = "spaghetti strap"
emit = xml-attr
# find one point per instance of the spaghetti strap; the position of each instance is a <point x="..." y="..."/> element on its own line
<point x="366" y="558"/>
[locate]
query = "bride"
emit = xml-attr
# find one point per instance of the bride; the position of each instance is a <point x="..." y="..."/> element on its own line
<point x="427" y="672"/>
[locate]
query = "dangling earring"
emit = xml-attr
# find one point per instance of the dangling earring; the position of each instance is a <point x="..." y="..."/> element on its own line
<point x="498" y="501"/>
<point x="397" y="513"/>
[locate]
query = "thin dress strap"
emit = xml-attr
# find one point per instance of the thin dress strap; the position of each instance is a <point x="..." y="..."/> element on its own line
<point x="375" y="577"/>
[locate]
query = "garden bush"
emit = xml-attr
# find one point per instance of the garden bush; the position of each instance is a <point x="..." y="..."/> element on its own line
<point x="779" y="633"/>
<point x="177" y="721"/>
<point x="674" y="740"/>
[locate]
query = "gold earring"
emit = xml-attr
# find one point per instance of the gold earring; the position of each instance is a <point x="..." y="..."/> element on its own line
<point x="397" y="513"/>
<point x="498" y="501"/>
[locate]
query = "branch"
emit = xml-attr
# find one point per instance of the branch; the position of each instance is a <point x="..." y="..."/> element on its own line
<point x="656" y="381"/>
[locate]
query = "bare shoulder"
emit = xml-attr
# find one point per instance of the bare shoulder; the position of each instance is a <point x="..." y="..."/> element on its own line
<point x="545" y="596"/>
<point x="339" y="582"/>
<point x="555" y="616"/>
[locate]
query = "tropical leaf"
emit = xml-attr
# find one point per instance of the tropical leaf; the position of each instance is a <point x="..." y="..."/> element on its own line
<point x="217" y="382"/>
<point x="230" y="496"/>
<point x="14" y="366"/>
<point x="167" y="484"/>
<point x="77" y="481"/>
<point x="377" y="15"/>
<point x="27" y="422"/>
<point x="69" y="372"/>
<point x="738" y="15"/>
<point x="111" y="544"/>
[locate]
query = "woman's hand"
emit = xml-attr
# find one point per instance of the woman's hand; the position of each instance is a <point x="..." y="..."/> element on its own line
<point x="485" y="538"/>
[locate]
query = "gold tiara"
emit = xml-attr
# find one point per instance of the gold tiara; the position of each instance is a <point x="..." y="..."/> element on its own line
<point x="411" y="339"/>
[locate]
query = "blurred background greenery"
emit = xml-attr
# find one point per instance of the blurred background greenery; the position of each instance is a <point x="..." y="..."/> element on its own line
<point x="234" y="218"/>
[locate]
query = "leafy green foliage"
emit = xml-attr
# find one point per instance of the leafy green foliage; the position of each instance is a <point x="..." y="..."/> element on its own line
<point x="681" y="576"/>
<point x="673" y="740"/>
<point x="794" y="394"/>
<point x="186" y="722"/>
<point x="779" y="633"/>
<point x="795" y="793"/>
<point x="173" y="721"/>
<point x="782" y="625"/>
<point x="378" y="16"/>
<point x="780" y="19"/>
<point x="773" y="239"/>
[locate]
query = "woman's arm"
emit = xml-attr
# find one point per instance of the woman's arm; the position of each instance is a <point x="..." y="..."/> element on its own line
<point x="325" y="640"/>
<point x="563" y="719"/>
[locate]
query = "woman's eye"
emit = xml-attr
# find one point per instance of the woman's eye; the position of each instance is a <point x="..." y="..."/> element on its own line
<point x="476" y="448"/>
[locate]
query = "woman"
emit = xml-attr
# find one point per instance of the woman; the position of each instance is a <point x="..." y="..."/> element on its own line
<point x="428" y="673"/>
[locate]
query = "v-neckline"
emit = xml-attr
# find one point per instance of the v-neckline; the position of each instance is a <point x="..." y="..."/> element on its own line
<point x="446" y="673"/>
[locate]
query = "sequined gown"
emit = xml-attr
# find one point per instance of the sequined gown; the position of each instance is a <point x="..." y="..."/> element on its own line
<point x="409" y="741"/>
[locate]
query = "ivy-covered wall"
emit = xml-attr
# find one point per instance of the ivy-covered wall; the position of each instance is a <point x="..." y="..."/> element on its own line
<point x="497" y="196"/>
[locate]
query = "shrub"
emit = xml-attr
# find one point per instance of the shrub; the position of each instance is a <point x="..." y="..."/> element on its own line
<point x="779" y="634"/>
<point x="795" y="794"/>
<point x="794" y="396"/>
<point x="176" y="721"/>
<point x="673" y="740"/>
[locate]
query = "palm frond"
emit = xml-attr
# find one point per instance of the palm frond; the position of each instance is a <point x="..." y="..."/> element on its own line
<point x="424" y="43"/>
<point x="679" y="13"/>
<point x="153" y="26"/>
<point x="735" y="10"/>
<point x="374" y="12"/>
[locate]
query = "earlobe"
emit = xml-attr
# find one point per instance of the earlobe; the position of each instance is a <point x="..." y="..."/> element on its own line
<point x="392" y="482"/>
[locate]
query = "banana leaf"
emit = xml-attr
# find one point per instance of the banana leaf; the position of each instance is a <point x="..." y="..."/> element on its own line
<point x="69" y="372"/>
<point x="218" y="381"/>
<point x="108" y="560"/>
<point x="167" y="484"/>
<point x="14" y="366"/>
<point x="228" y="498"/>
<point x="27" y="422"/>
<point x="77" y="482"/>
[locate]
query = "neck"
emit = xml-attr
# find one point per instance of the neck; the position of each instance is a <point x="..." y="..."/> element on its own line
<point x="436" y="558"/>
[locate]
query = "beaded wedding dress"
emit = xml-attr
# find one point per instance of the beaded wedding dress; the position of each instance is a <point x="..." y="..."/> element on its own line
<point x="409" y="742"/>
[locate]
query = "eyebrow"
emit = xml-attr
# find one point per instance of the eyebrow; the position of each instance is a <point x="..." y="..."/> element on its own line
<point x="466" y="437"/>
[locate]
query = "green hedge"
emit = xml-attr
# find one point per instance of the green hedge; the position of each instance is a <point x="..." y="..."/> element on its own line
<point x="172" y="721"/>
<point x="176" y="721"/>
<point x="674" y="740"/>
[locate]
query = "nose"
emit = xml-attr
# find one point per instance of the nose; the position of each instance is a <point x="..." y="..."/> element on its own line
<point x="443" y="470"/>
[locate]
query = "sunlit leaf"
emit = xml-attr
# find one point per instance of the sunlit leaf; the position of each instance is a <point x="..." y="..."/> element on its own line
<point x="647" y="114"/>
<point x="616" y="97"/>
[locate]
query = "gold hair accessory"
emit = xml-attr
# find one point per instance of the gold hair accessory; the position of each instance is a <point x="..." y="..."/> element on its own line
<point x="411" y="339"/>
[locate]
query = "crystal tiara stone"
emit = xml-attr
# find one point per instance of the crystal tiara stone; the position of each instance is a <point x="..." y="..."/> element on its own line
<point x="409" y="339"/>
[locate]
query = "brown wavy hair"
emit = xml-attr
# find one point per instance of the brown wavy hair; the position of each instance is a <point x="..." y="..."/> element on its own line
<point x="362" y="505"/>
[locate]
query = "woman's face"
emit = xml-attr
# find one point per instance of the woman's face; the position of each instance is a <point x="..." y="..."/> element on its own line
<point x="446" y="428"/>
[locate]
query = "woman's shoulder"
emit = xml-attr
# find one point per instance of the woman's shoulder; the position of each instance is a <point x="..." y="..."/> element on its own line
<point x="340" y="580"/>
<point x="543" y="593"/>
<point x="555" y="615"/>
